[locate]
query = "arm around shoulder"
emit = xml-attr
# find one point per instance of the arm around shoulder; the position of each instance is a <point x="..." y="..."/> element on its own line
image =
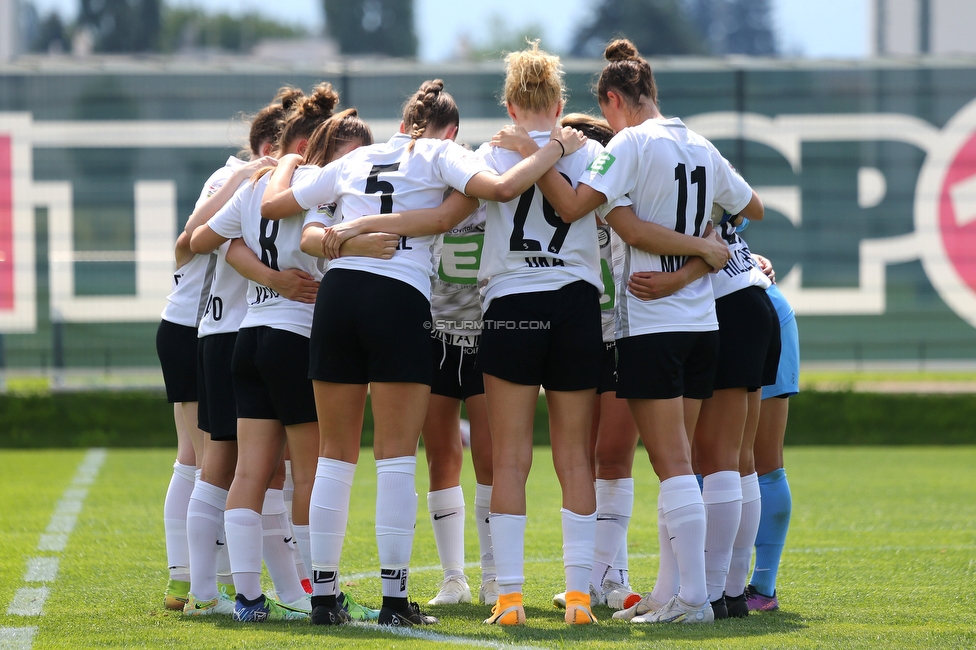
<point x="205" y="240"/>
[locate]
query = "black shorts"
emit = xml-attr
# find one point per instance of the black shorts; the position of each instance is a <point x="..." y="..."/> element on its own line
<point x="608" y="369"/>
<point x="548" y="338"/>
<point x="667" y="365"/>
<point x="271" y="376"/>
<point x="217" y="412"/>
<point x="454" y="366"/>
<point x="176" y="346"/>
<point x="368" y="327"/>
<point x="749" y="340"/>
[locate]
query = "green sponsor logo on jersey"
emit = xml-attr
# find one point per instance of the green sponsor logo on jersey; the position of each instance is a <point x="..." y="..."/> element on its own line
<point x="461" y="258"/>
<point x="601" y="163"/>
<point x="609" y="297"/>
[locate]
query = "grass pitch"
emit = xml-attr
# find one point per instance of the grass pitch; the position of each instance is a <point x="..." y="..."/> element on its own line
<point x="881" y="553"/>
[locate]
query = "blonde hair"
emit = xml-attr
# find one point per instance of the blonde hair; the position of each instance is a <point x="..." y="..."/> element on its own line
<point x="534" y="79"/>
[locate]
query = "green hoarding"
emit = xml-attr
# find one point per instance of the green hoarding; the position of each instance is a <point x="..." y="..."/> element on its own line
<point x="867" y="170"/>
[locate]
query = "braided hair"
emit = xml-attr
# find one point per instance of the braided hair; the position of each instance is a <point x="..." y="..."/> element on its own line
<point x="429" y="108"/>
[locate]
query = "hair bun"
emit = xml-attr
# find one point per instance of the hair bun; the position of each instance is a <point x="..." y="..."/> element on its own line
<point x="431" y="88"/>
<point x="289" y="97"/>
<point x="621" y="49"/>
<point x="322" y="101"/>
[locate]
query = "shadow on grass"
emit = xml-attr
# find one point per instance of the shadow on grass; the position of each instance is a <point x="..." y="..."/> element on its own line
<point x="464" y="623"/>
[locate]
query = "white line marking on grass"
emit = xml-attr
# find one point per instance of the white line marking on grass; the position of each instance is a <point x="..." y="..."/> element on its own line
<point x="54" y="542"/>
<point x="62" y="523"/>
<point x="29" y="601"/>
<point x="68" y="507"/>
<point x="17" y="638"/>
<point x="75" y="494"/>
<point x="42" y="569"/>
<point x="436" y="637"/>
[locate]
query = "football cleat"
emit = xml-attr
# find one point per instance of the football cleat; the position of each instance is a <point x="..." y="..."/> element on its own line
<point x="454" y="590"/>
<point x="176" y="595"/>
<point x="507" y="611"/>
<point x="264" y="609"/>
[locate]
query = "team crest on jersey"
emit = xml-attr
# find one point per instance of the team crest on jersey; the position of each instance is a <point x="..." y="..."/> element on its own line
<point x="601" y="163"/>
<point x="326" y="208"/>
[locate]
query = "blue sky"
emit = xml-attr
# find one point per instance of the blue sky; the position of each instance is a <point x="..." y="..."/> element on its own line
<point x="809" y="28"/>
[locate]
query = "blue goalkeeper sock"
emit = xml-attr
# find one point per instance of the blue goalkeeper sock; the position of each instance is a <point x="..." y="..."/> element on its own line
<point x="773" y="525"/>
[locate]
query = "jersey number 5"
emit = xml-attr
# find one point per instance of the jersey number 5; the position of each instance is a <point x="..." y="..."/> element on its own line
<point x="385" y="189"/>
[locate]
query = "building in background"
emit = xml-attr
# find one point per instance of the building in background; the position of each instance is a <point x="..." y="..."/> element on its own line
<point x="913" y="27"/>
<point x="9" y="32"/>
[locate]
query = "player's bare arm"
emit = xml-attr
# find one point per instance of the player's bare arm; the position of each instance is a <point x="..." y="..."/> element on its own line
<point x="660" y="240"/>
<point x="293" y="284"/>
<point x="279" y="201"/>
<point x="502" y="189"/>
<point x="411" y="223"/>
<point x="651" y="285"/>
<point x="571" y="205"/>
<point x="212" y="205"/>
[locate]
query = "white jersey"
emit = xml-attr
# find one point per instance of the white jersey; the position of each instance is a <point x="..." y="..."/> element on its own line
<point x="455" y="302"/>
<point x="390" y="177"/>
<point x="191" y="282"/>
<point x="672" y="176"/>
<point x="227" y="304"/>
<point x="741" y="271"/>
<point x="276" y="243"/>
<point x="527" y="246"/>
<point x="611" y="260"/>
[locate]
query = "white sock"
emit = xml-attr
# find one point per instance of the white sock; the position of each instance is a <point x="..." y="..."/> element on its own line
<point x="508" y="531"/>
<point x="302" y="551"/>
<point x="396" y="518"/>
<point x="244" y="540"/>
<point x="327" y="517"/>
<point x="735" y="585"/>
<point x="204" y="528"/>
<point x="684" y="514"/>
<point x="482" y="508"/>
<point x="621" y="564"/>
<point x="288" y="490"/>
<point x="614" y="507"/>
<point x="277" y="548"/>
<point x="579" y="534"/>
<point x="174" y="520"/>
<point x="446" y="509"/>
<point x="722" y="495"/>
<point x="224" y="574"/>
<point x="668" y="579"/>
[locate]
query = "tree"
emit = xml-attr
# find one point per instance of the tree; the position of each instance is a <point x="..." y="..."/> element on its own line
<point x="372" y="26"/>
<point x="501" y="38"/>
<point x="654" y="26"/>
<point x="185" y="28"/>
<point x="750" y="28"/>
<point x="734" y="26"/>
<point x="122" y="25"/>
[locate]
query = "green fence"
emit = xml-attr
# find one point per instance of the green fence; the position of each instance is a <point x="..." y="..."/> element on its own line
<point x="866" y="170"/>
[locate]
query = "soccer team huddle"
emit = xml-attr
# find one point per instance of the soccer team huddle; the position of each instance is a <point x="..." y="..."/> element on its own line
<point x="598" y="259"/>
